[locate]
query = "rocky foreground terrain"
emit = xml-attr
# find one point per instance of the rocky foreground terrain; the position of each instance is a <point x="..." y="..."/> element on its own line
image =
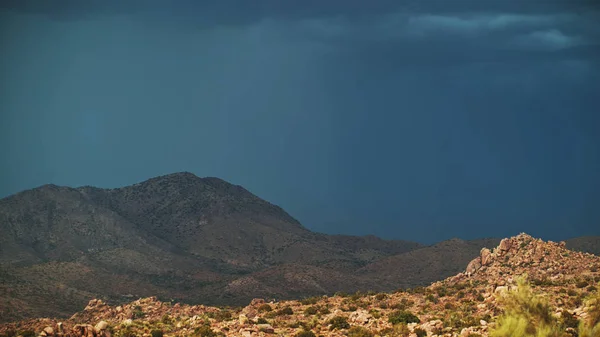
<point x="467" y="304"/>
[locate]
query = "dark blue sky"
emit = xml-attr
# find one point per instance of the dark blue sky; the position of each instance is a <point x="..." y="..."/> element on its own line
<point x="418" y="120"/>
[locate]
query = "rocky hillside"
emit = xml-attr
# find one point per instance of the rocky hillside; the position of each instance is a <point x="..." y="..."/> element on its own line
<point x="198" y="240"/>
<point x="564" y="283"/>
<point x="192" y="240"/>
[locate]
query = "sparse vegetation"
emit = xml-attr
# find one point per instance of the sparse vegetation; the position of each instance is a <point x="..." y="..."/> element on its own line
<point x="482" y="304"/>
<point x="359" y="331"/>
<point x="311" y="311"/>
<point x="157" y="333"/>
<point x="137" y="312"/>
<point x="285" y="311"/>
<point x="338" y="322"/>
<point x="402" y="316"/>
<point x="526" y="314"/>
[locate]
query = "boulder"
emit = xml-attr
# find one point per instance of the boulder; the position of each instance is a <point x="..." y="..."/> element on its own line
<point x="486" y="256"/>
<point x="49" y="331"/>
<point x="473" y="266"/>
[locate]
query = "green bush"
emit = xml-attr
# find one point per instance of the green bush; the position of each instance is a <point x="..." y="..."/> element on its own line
<point x="156" y="333"/>
<point x="528" y="315"/>
<point x="359" y="331"/>
<point x="339" y="322"/>
<point x="590" y="327"/>
<point x="403" y="316"/>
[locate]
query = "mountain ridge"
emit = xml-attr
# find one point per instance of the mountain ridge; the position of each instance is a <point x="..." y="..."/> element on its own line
<point x="197" y="240"/>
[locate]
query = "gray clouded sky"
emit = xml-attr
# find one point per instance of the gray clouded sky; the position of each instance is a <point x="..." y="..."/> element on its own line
<point x="419" y="120"/>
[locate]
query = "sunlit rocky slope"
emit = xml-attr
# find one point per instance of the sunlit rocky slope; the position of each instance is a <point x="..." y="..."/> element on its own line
<point x="466" y="304"/>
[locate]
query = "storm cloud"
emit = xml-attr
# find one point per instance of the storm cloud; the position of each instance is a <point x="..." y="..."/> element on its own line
<point x="418" y="120"/>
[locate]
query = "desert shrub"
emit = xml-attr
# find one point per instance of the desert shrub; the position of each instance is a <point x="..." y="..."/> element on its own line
<point x="339" y="322"/>
<point x="261" y="320"/>
<point x="375" y="313"/>
<point x="28" y="333"/>
<point x="310" y="300"/>
<point x="418" y="290"/>
<point x="381" y="296"/>
<point x="449" y="306"/>
<point x="293" y="325"/>
<point x="525" y="315"/>
<point x="568" y="320"/>
<point x="398" y="306"/>
<point x="359" y="331"/>
<point x="356" y="296"/>
<point x="442" y="291"/>
<point x="285" y="311"/>
<point x="420" y="332"/>
<point x="205" y="331"/>
<point x="480" y="298"/>
<point x="431" y="298"/>
<point x="221" y="315"/>
<point x="137" y="312"/>
<point x="571" y="292"/>
<point x="403" y="316"/>
<point x="324" y="311"/>
<point x="156" y="333"/>
<point x="166" y="319"/>
<point x="581" y="284"/>
<point x="460" y="294"/>
<point x="311" y="311"/>
<point x="270" y="314"/>
<point x="305" y="333"/>
<point x="544" y="281"/>
<point x="458" y="321"/>
<point x="590" y="326"/>
<point x="264" y="308"/>
<point x="591" y="288"/>
<point x="397" y="330"/>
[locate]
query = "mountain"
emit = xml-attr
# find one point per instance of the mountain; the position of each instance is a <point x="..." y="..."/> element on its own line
<point x="176" y="236"/>
<point x="551" y="288"/>
<point x="194" y="240"/>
